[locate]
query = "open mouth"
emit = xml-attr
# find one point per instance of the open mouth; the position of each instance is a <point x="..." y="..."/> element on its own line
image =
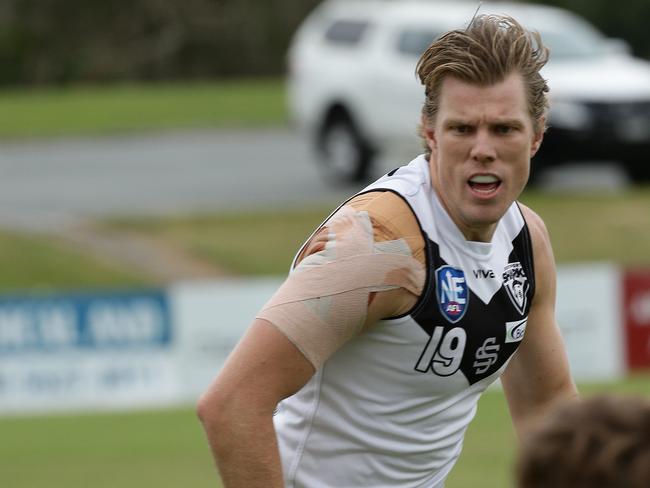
<point x="484" y="185"/>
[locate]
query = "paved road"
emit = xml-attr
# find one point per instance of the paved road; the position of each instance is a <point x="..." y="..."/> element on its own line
<point x="47" y="184"/>
<point x="50" y="184"/>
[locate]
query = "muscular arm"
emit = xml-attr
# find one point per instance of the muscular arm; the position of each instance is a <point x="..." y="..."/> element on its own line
<point x="538" y="375"/>
<point x="237" y="410"/>
<point x="270" y="364"/>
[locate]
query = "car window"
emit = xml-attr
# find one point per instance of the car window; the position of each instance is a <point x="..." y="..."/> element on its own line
<point x="415" y="42"/>
<point x="572" y="44"/>
<point x="346" y="32"/>
<point x="569" y="37"/>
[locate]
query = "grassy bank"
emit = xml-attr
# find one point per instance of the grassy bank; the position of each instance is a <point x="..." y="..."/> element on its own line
<point x="91" y="110"/>
<point x="597" y="226"/>
<point x="583" y="228"/>
<point x="41" y="263"/>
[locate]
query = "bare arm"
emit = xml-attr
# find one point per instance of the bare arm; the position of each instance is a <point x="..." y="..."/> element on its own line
<point x="237" y="410"/>
<point x="538" y="375"/>
<point x="277" y="355"/>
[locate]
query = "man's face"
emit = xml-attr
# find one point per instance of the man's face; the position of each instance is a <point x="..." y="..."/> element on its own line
<point x="481" y="143"/>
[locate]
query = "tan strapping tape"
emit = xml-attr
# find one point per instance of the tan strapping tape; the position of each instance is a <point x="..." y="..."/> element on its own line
<point x="324" y="302"/>
<point x="368" y="271"/>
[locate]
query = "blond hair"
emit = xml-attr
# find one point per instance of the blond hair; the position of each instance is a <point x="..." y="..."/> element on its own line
<point x="491" y="48"/>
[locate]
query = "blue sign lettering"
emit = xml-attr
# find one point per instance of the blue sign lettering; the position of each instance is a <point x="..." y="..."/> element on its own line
<point x="102" y="321"/>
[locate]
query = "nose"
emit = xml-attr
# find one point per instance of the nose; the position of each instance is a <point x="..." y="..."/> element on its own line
<point x="483" y="150"/>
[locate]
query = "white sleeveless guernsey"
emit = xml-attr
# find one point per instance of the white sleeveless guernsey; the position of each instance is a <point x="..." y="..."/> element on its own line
<point x="390" y="408"/>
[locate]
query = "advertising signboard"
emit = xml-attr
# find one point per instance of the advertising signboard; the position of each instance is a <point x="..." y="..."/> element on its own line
<point x="636" y="292"/>
<point x="106" y="350"/>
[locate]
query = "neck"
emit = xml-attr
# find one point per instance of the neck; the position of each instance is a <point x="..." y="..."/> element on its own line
<point x="471" y="232"/>
<point x="475" y="233"/>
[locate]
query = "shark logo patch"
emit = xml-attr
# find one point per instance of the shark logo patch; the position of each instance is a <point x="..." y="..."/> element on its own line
<point x="516" y="284"/>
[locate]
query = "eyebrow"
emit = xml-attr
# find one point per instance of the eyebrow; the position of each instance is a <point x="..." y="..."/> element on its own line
<point x="505" y="121"/>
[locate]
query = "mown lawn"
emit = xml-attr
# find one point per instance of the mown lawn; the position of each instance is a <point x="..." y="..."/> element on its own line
<point x="42" y="263"/>
<point x="490" y="448"/>
<point x="583" y="228"/>
<point x="127" y="108"/>
<point x="167" y="449"/>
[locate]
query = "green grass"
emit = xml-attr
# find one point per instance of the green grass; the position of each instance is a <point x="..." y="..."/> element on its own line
<point x="614" y="228"/>
<point x="32" y="262"/>
<point x="490" y="445"/>
<point x="167" y="449"/>
<point x="583" y="227"/>
<point x="243" y="243"/>
<point x="142" y="449"/>
<point x="597" y="226"/>
<point x="90" y="110"/>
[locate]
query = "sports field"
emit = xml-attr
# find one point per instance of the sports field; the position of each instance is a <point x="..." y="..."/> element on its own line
<point x="166" y="448"/>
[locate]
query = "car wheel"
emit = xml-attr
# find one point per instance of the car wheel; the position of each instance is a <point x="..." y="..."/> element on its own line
<point x="343" y="154"/>
<point x="537" y="168"/>
<point x="636" y="171"/>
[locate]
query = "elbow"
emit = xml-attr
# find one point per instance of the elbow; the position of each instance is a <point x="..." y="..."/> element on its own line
<point x="203" y="408"/>
<point x="211" y="410"/>
<point x="215" y="416"/>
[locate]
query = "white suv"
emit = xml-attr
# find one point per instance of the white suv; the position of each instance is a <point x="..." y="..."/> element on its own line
<point x="352" y="84"/>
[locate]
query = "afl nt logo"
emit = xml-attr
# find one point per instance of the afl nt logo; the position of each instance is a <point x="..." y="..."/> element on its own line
<point x="451" y="288"/>
<point x="516" y="284"/>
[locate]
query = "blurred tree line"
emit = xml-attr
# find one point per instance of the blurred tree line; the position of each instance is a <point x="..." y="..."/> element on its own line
<point x="627" y="19"/>
<point x="63" y="41"/>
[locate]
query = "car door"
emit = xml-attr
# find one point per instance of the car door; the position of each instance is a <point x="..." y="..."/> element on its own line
<point x="398" y="93"/>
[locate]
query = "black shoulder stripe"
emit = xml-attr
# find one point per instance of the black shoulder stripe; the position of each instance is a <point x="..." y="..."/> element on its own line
<point x="427" y="253"/>
<point x="523" y="248"/>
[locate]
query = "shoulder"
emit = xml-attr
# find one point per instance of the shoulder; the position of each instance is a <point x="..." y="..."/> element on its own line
<point x="391" y="218"/>
<point x="542" y="250"/>
<point x="379" y="228"/>
<point x="538" y="232"/>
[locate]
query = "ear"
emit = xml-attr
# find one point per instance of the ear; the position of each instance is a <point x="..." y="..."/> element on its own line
<point x="538" y="136"/>
<point x="428" y="133"/>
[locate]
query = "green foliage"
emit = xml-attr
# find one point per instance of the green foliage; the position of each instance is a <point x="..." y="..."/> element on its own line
<point x="67" y="41"/>
<point x="623" y="20"/>
<point x="46" y="42"/>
